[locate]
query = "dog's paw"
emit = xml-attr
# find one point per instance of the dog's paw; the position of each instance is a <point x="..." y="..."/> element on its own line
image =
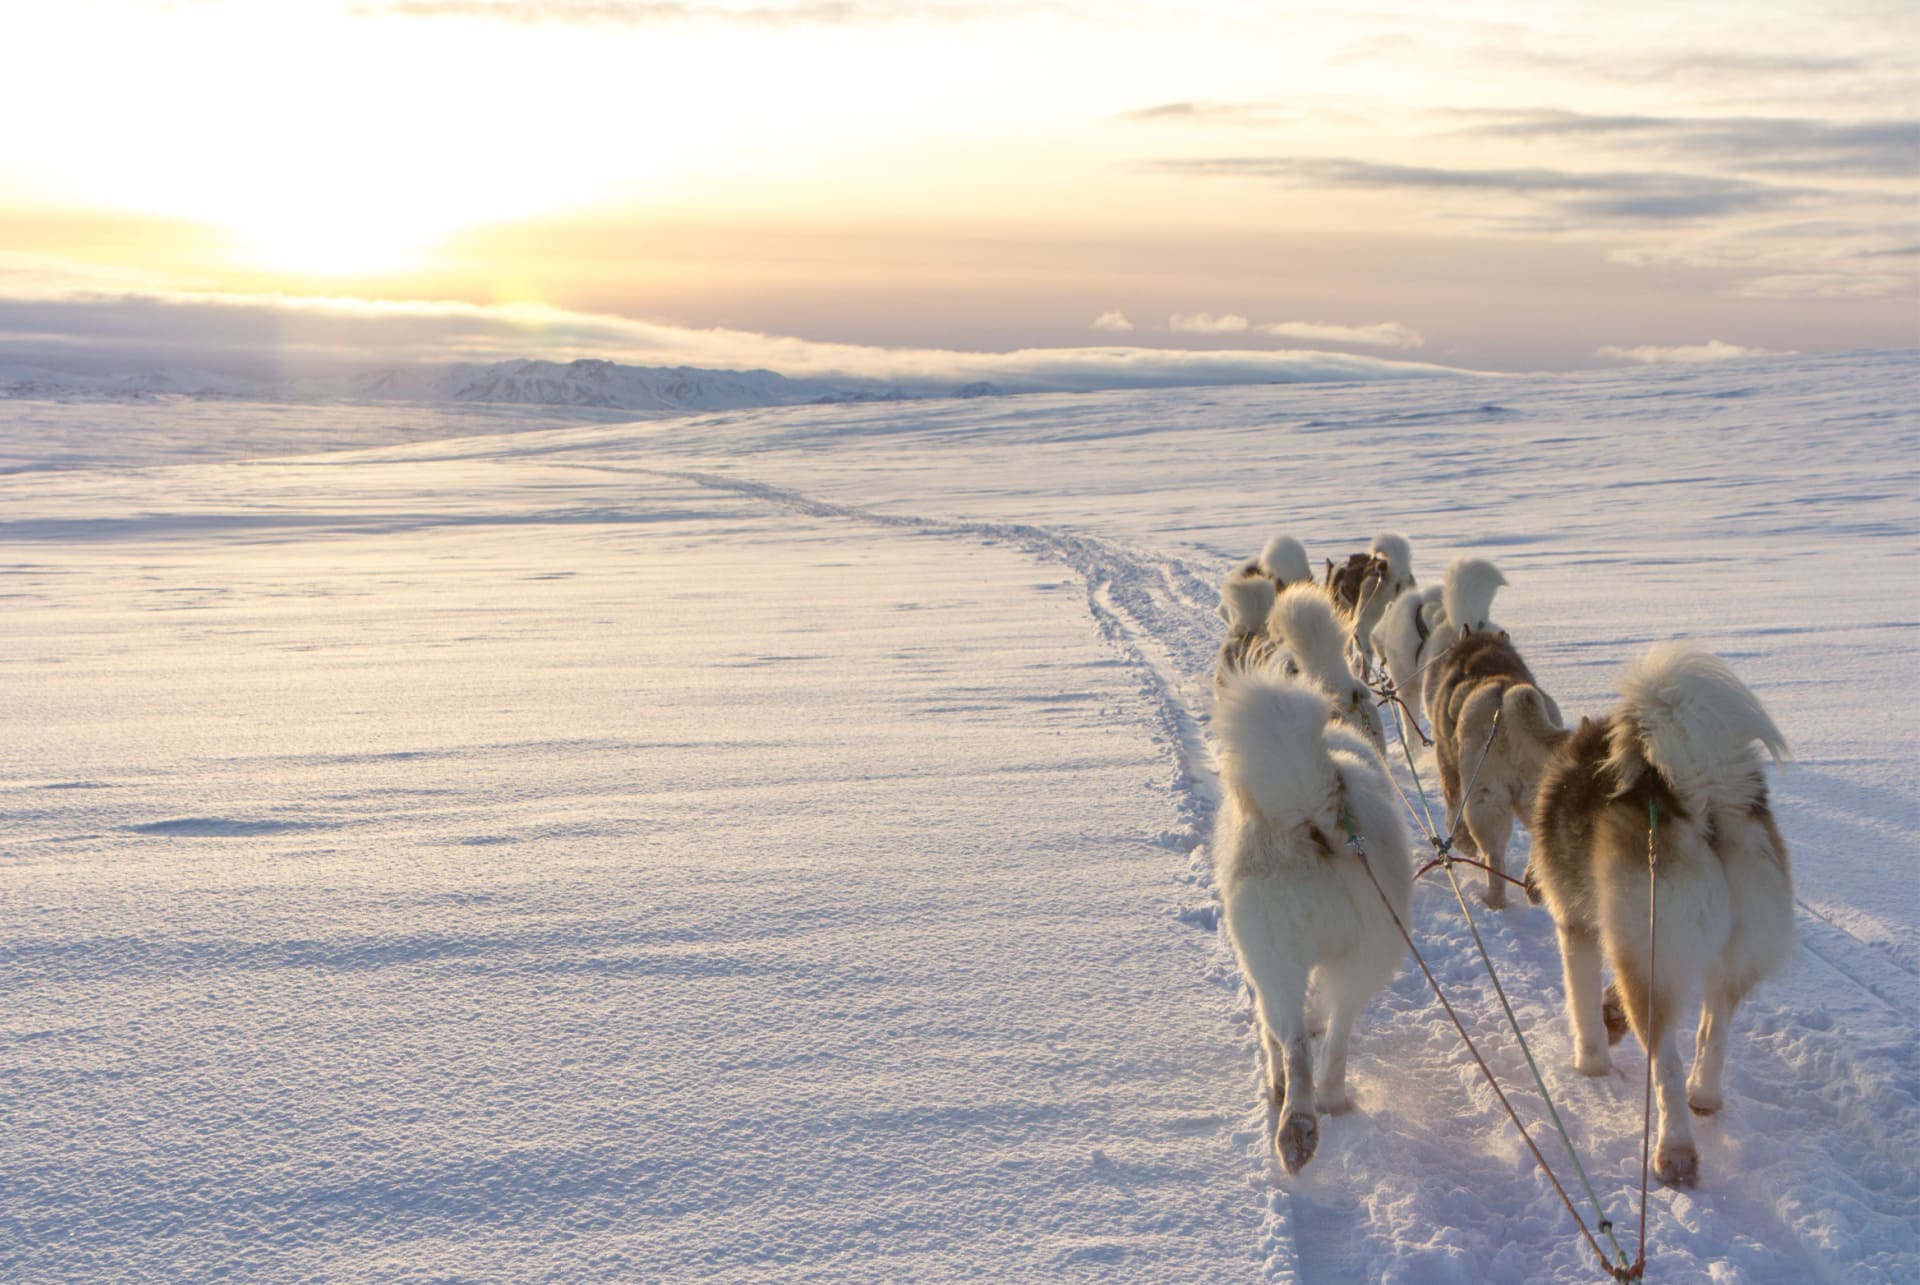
<point x="1592" y="1061"/>
<point x="1296" y="1140"/>
<point x="1532" y="885"/>
<point x="1677" y="1165"/>
<point x="1332" y="1102"/>
<point x="1496" y="895"/>
<point x="1702" y="1100"/>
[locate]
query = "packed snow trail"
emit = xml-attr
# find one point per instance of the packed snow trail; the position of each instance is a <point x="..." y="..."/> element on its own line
<point x="1146" y="607"/>
<point x="1157" y="611"/>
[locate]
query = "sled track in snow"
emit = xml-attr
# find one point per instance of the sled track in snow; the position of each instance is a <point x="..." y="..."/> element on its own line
<point x="1144" y="606"/>
<point x="1858" y="963"/>
<point x="1157" y="614"/>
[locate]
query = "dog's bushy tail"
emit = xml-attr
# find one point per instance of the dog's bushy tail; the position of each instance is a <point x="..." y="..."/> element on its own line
<point x="1399" y="555"/>
<point x="1246" y="601"/>
<point x="1272" y="736"/>
<point x="1468" y="593"/>
<point x="1303" y="621"/>
<point x="1285" y="558"/>
<point x="1526" y="709"/>
<point x="1304" y="624"/>
<point x="1685" y="713"/>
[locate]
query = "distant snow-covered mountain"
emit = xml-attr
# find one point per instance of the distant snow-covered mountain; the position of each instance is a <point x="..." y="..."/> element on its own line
<point x="609" y="384"/>
<point x="177" y="381"/>
<point x="652" y="391"/>
<point x="525" y="382"/>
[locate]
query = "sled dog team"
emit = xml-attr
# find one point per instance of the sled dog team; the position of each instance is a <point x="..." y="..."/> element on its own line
<point x="1300" y="740"/>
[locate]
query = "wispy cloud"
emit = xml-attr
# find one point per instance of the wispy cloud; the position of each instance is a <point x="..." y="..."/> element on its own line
<point x="1630" y="196"/>
<point x="1386" y="334"/>
<point x="1195" y="112"/>
<point x="1712" y="350"/>
<point x="270" y="336"/>
<point x="1684" y="66"/>
<point x="1827" y="285"/>
<point x="1205" y="323"/>
<point x="1796" y="258"/>
<point x="1112" y="321"/>
<point x="1887" y="148"/>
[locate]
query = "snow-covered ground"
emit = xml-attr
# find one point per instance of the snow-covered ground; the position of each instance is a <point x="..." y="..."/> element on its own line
<point x="771" y="845"/>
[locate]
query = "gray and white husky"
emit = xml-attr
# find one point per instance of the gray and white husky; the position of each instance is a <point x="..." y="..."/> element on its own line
<point x="1301" y="911"/>
<point x="1676" y="759"/>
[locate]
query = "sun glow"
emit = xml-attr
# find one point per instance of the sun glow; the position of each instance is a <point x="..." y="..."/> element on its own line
<point x="321" y="141"/>
<point x="323" y="241"/>
<point x="356" y="157"/>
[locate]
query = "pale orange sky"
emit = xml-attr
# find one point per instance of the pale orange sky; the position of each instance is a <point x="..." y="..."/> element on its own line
<point x="1496" y="186"/>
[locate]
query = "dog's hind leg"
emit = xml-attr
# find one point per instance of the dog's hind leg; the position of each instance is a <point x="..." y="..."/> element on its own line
<point x="1676" y="1161"/>
<point x="1651" y="1011"/>
<point x="1345" y="1000"/>
<point x="1761" y="940"/>
<point x="1704" y="1094"/>
<point x="1580" y="961"/>
<point x="1299" y="1132"/>
<point x="1446" y="759"/>
<point x="1276" y="1069"/>
<point x="1490" y="822"/>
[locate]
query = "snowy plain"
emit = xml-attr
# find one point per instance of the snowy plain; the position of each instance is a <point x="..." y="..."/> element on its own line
<point x="772" y="844"/>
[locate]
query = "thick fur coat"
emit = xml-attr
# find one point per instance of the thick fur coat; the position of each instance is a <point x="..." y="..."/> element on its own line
<point x="1245" y="603"/>
<point x="1675" y="762"/>
<point x="1285" y="559"/>
<point x="1365" y="586"/>
<point x="1299" y="907"/>
<point x="1305" y="624"/>
<point x="1480" y="677"/>
<point x="1422" y="624"/>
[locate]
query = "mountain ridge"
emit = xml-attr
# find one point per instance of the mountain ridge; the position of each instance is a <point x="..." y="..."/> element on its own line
<point x="526" y="381"/>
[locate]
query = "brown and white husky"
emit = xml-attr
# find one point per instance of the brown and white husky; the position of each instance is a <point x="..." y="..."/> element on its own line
<point x="1676" y="760"/>
<point x="1365" y="585"/>
<point x="1480" y="676"/>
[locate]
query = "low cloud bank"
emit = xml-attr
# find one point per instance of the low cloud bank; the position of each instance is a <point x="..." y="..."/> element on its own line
<point x="280" y="337"/>
<point x="1712" y="350"/>
<point x="1387" y="334"/>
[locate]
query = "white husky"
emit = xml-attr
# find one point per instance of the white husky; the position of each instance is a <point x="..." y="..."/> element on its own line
<point x="1285" y="559"/>
<point x="1393" y="548"/>
<point x="1300" y="909"/>
<point x="1388" y="577"/>
<point x="1422" y="623"/>
<point x="1246" y="602"/>
<point x="1675" y="759"/>
<point x="1282" y="562"/>
<point x="1306" y="626"/>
